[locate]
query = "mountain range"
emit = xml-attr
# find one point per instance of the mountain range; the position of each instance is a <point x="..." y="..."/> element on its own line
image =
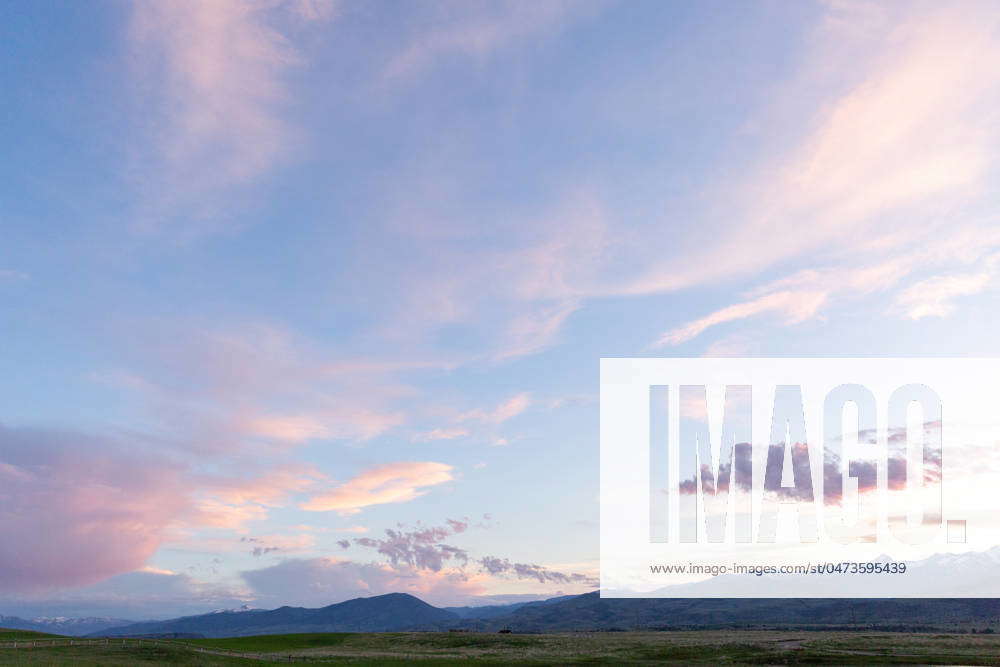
<point x="61" y="625"/>
<point x="970" y="572"/>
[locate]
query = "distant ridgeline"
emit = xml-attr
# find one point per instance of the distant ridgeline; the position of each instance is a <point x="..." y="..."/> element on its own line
<point x="402" y="612"/>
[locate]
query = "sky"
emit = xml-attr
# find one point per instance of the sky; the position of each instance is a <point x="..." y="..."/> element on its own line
<point x="304" y="300"/>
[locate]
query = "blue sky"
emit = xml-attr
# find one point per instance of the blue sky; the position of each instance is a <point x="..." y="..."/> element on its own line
<point x="276" y="275"/>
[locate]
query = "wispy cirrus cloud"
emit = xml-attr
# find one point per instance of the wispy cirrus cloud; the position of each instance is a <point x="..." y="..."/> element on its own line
<point x="481" y="422"/>
<point x="902" y="138"/>
<point x="211" y="78"/>
<point x="478" y="29"/>
<point x="536" y="328"/>
<point x="792" y="307"/>
<point x="515" y="296"/>
<point x="903" y="143"/>
<point x="805" y="295"/>
<point x="935" y="296"/>
<point x="892" y="138"/>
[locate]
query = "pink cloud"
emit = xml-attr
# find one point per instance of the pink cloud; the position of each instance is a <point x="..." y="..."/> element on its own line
<point x="217" y="514"/>
<point x="291" y="428"/>
<point x="272" y="488"/>
<point x="354" y="529"/>
<point x="339" y="422"/>
<point x="232" y="503"/>
<point x="82" y="508"/>
<point x="441" y="434"/>
<point x="86" y="508"/>
<point x="229" y="388"/>
<point x="508" y="409"/>
<point x="388" y="483"/>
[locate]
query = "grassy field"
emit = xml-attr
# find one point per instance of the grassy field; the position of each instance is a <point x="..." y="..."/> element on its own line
<point x="705" y="647"/>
